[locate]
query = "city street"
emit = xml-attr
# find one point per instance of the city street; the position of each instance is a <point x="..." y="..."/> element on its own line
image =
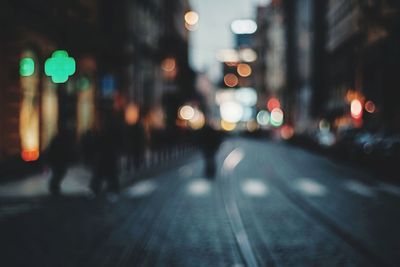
<point x="270" y="204"/>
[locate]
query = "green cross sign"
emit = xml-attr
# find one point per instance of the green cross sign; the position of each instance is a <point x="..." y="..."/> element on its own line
<point x="59" y="66"/>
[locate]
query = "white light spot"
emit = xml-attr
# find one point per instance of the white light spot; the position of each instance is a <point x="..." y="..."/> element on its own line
<point x="255" y="188"/>
<point x="244" y="26"/>
<point x="141" y="189"/>
<point x="359" y="188"/>
<point x="231" y="111"/>
<point x="311" y="188"/>
<point x="391" y="189"/>
<point x="199" y="187"/>
<point x="232" y="160"/>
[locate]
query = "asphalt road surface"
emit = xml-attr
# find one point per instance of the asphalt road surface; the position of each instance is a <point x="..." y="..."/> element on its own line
<point x="269" y="205"/>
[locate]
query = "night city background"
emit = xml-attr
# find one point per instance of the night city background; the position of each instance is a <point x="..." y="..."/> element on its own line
<point x="199" y="133"/>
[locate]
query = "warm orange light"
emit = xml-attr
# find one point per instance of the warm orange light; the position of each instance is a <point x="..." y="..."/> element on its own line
<point x="168" y="65"/>
<point x="30" y="155"/>
<point x="370" y="107"/>
<point x="356" y="109"/>
<point x="273" y="103"/>
<point x="244" y="70"/>
<point x="191" y="18"/>
<point x="231" y="80"/>
<point x="231" y="64"/>
<point x="228" y="126"/>
<point x="131" y="114"/>
<point x="287" y="132"/>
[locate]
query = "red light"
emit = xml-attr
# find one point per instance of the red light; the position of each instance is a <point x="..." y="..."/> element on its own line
<point x="231" y="80"/>
<point x="30" y="155"/>
<point x="273" y="103"/>
<point x="287" y="132"/>
<point x="356" y="109"/>
<point x="370" y="107"/>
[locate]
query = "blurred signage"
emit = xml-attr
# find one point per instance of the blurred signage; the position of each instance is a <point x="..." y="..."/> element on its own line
<point x="59" y="66"/>
<point x="108" y="86"/>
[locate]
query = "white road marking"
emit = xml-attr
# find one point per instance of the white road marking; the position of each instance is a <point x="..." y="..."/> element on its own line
<point x="255" y="188"/>
<point x="226" y="187"/>
<point x="311" y="188"/>
<point x="15" y="209"/>
<point x="390" y="189"/>
<point x="199" y="187"/>
<point x="141" y="189"/>
<point x="359" y="188"/>
<point x="232" y="160"/>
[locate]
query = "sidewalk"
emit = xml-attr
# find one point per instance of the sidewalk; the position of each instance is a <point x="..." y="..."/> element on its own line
<point x="76" y="181"/>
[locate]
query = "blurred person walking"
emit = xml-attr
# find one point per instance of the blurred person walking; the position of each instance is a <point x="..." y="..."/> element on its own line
<point x="208" y="140"/>
<point x="135" y="145"/>
<point x="105" y="150"/>
<point x="59" y="156"/>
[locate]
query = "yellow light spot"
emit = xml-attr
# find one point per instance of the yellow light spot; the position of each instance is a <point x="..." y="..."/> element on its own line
<point x="191" y="18"/>
<point x="131" y="114"/>
<point x="244" y="70"/>
<point x="228" y="126"/>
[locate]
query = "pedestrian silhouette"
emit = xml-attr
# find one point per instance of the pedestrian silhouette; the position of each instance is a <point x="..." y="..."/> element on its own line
<point x="135" y="140"/>
<point x="105" y="152"/>
<point x="59" y="156"/>
<point x="208" y="140"/>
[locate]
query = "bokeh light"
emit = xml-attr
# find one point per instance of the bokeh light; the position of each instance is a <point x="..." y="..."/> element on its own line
<point x="247" y="55"/>
<point x="186" y="112"/>
<point x="276" y="117"/>
<point x="356" y="109"/>
<point x="227" y="126"/>
<point x="273" y="103"/>
<point x="231" y="80"/>
<point x="131" y="114"/>
<point x="198" y="120"/>
<point x="244" y="26"/>
<point x="168" y="65"/>
<point x="191" y="18"/>
<point x="370" y="106"/>
<point x="251" y="126"/>
<point x="30" y="155"/>
<point x="244" y="70"/>
<point x="246" y="96"/>
<point x="287" y="132"/>
<point x="324" y="125"/>
<point x="231" y="112"/>
<point x="263" y="117"/>
<point x="26" y="67"/>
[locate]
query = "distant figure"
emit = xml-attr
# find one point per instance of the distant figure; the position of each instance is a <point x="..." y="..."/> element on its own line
<point x="208" y="139"/>
<point x="60" y="155"/>
<point x="135" y="144"/>
<point x="104" y="164"/>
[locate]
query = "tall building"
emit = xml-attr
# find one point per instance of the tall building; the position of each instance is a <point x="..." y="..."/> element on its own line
<point x="131" y="56"/>
<point x="363" y="58"/>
